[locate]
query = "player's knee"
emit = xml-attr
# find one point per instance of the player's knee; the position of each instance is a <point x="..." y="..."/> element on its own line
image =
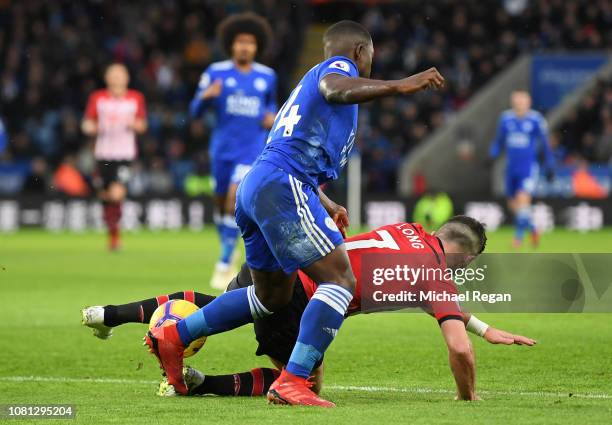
<point x="116" y="192"/>
<point x="347" y="280"/>
<point x="461" y="350"/>
<point x="274" y="298"/>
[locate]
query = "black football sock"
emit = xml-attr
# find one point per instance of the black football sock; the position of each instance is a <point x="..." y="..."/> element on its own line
<point x="141" y="311"/>
<point x="253" y="383"/>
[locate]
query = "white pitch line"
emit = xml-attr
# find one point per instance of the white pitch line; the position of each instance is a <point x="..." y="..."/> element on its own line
<point x="443" y="391"/>
<point x="61" y="379"/>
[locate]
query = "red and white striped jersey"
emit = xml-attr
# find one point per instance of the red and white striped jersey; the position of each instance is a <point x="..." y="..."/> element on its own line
<point x="116" y="140"/>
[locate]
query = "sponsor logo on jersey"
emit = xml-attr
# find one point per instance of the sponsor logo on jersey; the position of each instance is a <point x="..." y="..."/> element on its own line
<point x="246" y="106"/>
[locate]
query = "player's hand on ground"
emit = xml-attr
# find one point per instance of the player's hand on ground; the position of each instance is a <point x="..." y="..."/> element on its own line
<point x="429" y="79"/>
<point x="212" y="91"/>
<point x="497" y="336"/>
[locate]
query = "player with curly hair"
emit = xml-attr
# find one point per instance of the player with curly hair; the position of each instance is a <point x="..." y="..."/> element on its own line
<point x="242" y="94"/>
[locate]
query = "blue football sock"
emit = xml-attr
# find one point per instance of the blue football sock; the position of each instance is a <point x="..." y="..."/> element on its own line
<point x="228" y="311"/>
<point x="523" y="222"/>
<point x="320" y="322"/>
<point x="218" y="220"/>
<point x="229" y="238"/>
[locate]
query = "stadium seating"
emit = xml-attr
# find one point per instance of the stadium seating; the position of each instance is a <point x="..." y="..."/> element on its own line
<point x="47" y="47"/>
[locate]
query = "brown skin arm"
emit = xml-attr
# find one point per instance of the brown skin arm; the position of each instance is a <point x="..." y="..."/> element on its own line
<point x="336" y="88"/>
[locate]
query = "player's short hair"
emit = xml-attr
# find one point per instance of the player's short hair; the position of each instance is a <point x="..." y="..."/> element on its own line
<point x="347" y="30"/>
<point x="466" y="232"/>
<point x="244" y="23"/>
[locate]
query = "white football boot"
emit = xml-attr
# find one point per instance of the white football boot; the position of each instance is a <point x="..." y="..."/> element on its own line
<point x="222" y="276"/>
<point x="93" y="317"/>
<point x="193" y="379"/>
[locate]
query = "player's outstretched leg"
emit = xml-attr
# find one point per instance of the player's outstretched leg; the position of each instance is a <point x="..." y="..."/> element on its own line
<point x="250" y="384"/>
<point x="228" y="311"/>
<point x="103" y="318"/>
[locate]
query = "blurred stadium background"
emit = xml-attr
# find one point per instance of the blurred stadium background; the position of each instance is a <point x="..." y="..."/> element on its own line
<point x="52" y="55"/>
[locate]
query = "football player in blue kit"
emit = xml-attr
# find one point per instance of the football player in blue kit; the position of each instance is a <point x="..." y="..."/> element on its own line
<point x="242" y="94"/>
<point x="523" y="134"/>
<point x="286" y="221"/>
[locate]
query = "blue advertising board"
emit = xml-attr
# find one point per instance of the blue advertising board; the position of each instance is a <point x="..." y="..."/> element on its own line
<point x="555" y="76"/>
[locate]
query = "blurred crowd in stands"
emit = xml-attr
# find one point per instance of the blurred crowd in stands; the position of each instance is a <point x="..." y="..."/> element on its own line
<point x="469" y="42"/>
<point x="586" y="133"/>
<point x="52" y="55"/>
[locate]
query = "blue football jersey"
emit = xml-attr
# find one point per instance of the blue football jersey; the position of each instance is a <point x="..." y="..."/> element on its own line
<point x="311" y="137"/>
<point x="523" y="138"/>
<point x="239" y="109"/>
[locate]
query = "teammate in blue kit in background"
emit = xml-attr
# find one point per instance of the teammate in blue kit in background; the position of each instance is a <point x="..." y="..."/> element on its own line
<point x="242" y="94"/>
<point x="523" y="133"/>
<point x="288" y="223"/>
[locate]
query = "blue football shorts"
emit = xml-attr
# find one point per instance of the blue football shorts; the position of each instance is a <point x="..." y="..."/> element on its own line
<point x="228" y="172"/>
<point x="283" y="223"/>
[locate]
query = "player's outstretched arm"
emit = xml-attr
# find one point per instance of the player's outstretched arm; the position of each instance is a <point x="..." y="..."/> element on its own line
<point x="493" y="335"/>
<point x="337" y="88"/>
<point x="499" y="336"/>
<point x="461" y="358"/>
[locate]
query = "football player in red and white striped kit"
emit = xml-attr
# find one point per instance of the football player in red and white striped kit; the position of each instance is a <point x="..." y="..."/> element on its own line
<point x="114" y="116"/>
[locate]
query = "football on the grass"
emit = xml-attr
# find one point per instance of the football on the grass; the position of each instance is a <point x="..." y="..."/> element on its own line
<point x="173" y="311"/>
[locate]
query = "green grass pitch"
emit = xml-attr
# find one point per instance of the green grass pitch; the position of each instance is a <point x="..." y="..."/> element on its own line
<point x="383" y="368"/>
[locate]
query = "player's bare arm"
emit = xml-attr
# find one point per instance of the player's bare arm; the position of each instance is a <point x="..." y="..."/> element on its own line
<point x="338" y="88"/>
<point x="89" y="127"/>
<point x="139" y="126"/>
<point x="212" y="91"/>
<point x="461" y="358"/>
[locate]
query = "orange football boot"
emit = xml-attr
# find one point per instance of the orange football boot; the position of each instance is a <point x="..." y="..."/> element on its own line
<point x="294" y="390"/>
<point x="167" y="346"/>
